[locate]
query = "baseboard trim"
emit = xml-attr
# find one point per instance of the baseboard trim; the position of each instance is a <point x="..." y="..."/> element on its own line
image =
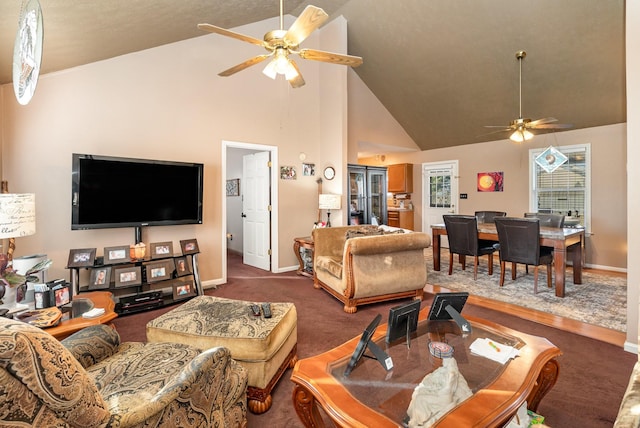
<point x="631" y="347"/>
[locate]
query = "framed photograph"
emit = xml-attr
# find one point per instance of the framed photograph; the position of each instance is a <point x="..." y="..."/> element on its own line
<point x="288" y="172"/>
<point x="189" y="246"/>
<point x="82" y="257"/>
<point x="183" y="267"/>
<point x="161" y="249"/>
<point x="127" y="276"/>
<point x="116" y="254"/>
<point x="233" y="187"/>
<point x="100" y="278"/>
<point x="308" y="169"/>
<point x="184" y="289"/>
<point x="160" y="271"/>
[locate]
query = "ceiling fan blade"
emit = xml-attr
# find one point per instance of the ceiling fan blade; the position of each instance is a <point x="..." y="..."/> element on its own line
<point x="248" y="63"/>
<point x="552" y="126"/>
<point x="496" y="132"/>
<point x="332" y="57"/>
<point x="311" y="18"/>
<point x="506" y="128"/>
<point x="224" y="32"/>
<point x="297" y="81"/>
<point x="541" y="121"/>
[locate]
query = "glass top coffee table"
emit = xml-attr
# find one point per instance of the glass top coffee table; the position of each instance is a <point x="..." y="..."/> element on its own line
<point x="373" y="396"/>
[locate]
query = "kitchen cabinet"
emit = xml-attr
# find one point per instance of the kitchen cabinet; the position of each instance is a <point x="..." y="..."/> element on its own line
<point x="401" y="218"/>
<point x="400" y="178"/>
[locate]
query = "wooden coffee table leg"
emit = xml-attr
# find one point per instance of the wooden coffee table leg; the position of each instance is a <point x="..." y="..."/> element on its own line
<point x="305" y="404"/>
<point x="546" y="379"/>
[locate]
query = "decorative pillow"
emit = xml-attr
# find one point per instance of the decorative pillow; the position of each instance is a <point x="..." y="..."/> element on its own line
<point x="330" y="264"/>
<point x="356" y="233"/>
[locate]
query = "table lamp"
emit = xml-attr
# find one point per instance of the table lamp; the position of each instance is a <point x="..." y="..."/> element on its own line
<point x="329" y="202"/>
<point x="17" y="218"/>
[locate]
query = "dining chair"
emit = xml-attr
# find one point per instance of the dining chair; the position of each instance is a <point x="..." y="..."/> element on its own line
<point x="519" y="240"/>
<point x="547" y="220"/>
<point x="462" y="232"/>
<point x="488" y="216"/>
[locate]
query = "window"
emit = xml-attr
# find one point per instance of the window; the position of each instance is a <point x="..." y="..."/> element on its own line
<point x="566" y="190"/>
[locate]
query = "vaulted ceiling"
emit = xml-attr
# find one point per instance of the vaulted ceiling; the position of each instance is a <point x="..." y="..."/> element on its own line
<point x="442" y="68"/>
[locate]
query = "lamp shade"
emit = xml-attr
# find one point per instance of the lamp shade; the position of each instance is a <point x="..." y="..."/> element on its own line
<point x="17" y="215"/>
<point x="328" y="201"/>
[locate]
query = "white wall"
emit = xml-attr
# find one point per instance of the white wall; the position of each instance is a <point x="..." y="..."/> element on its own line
<point x="633" y="172"/>
<point x="168" y="103"/>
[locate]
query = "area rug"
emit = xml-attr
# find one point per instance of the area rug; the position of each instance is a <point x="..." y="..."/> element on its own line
<point x="599" y="300"/>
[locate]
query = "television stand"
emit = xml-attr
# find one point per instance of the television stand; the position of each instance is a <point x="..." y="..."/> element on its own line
<point x="139" y="285"/>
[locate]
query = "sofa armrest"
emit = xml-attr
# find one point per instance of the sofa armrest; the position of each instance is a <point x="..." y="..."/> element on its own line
<point x="92" y="344"/>
<point x="380" y="244"/>
<point x="211" y="380"/>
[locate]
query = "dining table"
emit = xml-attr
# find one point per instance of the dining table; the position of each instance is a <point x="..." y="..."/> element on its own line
<point x="566" y="242"/>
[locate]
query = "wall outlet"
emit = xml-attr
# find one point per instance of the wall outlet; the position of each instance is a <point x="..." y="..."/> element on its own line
<point x="463" y="196"/>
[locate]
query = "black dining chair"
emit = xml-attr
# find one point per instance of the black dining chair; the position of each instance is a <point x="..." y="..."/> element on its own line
<point x="519" y="240"/>
<point x="462" y="232"/>
<point x="547" y="220"/>
<point x="488" y="216"/>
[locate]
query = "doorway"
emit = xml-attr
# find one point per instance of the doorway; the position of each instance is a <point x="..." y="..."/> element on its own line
<point x="440" y="193"/>
<point x="256" y="189"/>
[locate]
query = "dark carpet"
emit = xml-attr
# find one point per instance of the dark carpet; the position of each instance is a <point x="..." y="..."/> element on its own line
<point x="593" y="374"/>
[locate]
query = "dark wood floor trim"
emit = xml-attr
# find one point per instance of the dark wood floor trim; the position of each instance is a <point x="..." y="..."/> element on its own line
<point x="565" y="324"/>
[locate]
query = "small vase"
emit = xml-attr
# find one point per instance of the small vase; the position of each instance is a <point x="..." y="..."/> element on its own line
<point x="9" y="300"/>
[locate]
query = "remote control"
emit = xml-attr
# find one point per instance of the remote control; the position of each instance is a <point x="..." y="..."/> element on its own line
<point x="266" y="310"/>
<point x="255" y="310"/>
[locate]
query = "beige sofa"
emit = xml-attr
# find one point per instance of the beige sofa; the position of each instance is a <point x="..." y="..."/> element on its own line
<point x="360" y="265"/>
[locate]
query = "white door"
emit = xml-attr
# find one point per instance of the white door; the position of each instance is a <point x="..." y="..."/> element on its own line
<point x="440" y="193"/>
<point x="256" y="210"/>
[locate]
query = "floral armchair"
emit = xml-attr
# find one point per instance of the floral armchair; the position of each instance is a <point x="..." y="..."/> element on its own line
<point x="91" y="379"/>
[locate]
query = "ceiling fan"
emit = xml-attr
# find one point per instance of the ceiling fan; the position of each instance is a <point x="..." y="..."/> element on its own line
<point x="281" y="43"/>
<point x="521" y="126"/>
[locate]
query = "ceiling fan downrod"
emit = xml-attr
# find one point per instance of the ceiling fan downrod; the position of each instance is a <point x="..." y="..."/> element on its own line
<point x="520" y="55"/>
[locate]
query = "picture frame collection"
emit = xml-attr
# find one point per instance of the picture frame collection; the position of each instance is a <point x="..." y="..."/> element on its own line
<point x="119" y="270"/>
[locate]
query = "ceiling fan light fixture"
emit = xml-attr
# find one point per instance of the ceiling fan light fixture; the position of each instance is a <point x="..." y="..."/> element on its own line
<point x="270" y="69"/>
<point x="520" y="136"/>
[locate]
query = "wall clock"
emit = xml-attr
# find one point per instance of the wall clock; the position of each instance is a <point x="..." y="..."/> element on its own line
<point x="329" y="173"/>
<point x="27" y="51"/>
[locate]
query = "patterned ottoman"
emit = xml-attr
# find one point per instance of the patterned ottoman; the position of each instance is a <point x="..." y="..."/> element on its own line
<point x="266" y="347"/>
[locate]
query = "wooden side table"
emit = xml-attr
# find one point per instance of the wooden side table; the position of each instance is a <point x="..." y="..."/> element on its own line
<point x="306" y="268"/>
<point x="94" y="299"/>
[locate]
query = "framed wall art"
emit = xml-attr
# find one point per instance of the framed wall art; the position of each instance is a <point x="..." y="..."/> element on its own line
<point x="308" y="169"/>
<point x="127" y="276"/>
<point x="233" y="187"/>
<point x="161" y="249"/>
<point x="288" y="172"/>
<point x="490" y="181"/>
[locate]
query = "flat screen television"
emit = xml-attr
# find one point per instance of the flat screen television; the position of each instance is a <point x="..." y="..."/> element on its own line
<point x="110" y="191"/>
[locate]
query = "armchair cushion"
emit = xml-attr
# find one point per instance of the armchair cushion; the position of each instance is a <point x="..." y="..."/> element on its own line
<point x="94" y="344"/>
